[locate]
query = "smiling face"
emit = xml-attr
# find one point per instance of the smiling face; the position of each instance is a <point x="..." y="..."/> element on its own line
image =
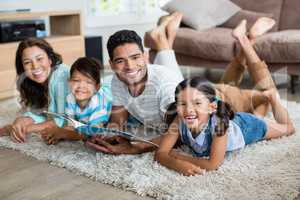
<point x="83" y="88"/>
<point x="194" y="108"/>
<point x="36" y="64"/>
<point x="129" y="63"/>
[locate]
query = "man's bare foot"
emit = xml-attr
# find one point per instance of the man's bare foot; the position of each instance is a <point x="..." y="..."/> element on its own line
<point x="173" y="26"/>
<point x="240" y="30"/>
<point x="261" y="26"/>
<point x="164" y="20"/>
<point x="158" y="38"/>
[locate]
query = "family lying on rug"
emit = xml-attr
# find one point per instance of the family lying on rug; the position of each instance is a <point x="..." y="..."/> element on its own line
<point x="211" y="119"/>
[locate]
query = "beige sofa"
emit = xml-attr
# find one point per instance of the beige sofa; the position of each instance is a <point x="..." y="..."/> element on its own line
<point x="215" y="47"/>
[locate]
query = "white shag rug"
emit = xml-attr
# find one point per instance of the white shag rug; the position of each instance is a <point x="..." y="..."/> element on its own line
<point x="265" y="170"/>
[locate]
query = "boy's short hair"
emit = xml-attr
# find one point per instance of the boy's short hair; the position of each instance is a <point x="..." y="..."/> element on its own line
<point x="90" y="67"/>
<point x="122" y="37"/>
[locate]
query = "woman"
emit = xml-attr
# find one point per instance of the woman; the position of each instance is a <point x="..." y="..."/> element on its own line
<point x="42" y="80"/>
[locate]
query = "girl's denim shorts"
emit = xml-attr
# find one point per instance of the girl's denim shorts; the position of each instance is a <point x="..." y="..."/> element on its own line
<point x="253" y="128"/>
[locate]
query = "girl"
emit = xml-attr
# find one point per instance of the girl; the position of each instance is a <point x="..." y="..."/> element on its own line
<point x="86" y="103"/>
<point x="210" y="128"/>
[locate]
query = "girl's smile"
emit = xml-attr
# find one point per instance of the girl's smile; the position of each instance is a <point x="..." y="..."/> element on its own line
<point x="194" y="108"/>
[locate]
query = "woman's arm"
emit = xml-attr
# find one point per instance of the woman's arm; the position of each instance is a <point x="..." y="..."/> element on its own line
<point x="36" y="128"/>
<point x="216" y="157"/>
<point x="163" y="154"/>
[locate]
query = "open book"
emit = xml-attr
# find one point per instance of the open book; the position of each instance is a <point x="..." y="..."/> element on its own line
<point x="92" y="130"/>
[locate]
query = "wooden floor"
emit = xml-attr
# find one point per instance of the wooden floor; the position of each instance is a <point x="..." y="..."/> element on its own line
<point x="25" y="178"/>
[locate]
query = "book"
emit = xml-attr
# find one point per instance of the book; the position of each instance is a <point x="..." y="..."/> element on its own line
<point x="92" y="130"/>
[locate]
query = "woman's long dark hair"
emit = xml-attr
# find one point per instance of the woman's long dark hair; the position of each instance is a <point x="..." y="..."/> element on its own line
<point x="34" y="95"/>
<point x="224" y="113"/>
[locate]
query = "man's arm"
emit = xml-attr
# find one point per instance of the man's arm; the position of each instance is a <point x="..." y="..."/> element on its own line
<point x="118" y="118"/>
<point x="120" y="145"/>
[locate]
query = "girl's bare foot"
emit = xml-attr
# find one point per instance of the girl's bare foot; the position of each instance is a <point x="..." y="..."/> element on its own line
<point x="261" y="26"/>
<point x="240" y="30"/>
<point x="272" y="95"/>
<point x="4" y="131"/>
<point x="173" y="26"/>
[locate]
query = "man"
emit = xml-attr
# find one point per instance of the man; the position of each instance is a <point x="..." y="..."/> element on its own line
<point x="136" y="80"/>
<point x="139" y="89"/>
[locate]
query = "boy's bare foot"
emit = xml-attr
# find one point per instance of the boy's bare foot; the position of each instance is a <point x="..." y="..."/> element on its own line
<point x="240" y="30"/>
<point x="173" y="26"/>
<point x="261" y="26"/>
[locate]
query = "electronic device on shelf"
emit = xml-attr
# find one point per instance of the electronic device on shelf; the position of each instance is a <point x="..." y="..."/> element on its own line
<point x="18" y="30"/>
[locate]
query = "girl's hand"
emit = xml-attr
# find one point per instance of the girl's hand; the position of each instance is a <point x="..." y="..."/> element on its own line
<point x="189" y="169"/>
<point x="5" y="130"/>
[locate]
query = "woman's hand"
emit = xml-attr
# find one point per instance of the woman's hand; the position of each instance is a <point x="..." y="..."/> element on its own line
<point x="18" y="130"/>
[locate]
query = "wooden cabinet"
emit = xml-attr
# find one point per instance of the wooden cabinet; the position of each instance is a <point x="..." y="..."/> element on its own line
<point x="65" y="36"/>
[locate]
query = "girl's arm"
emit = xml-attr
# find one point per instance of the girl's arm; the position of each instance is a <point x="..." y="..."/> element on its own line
<point x="216" y="157"/>
<point x="163" y="154"/>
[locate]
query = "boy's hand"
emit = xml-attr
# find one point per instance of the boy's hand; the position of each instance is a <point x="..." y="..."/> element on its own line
<point x="53" y="135"/>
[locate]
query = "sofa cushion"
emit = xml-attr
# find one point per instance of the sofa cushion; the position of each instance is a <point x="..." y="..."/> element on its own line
<point x="212" y="44"/>
<point x="265" y="6"/>
<point x="203" y="14"/>
<point x="290" y="17"/>
<point x="279" y="47"/>
<point x="250" y="16"/>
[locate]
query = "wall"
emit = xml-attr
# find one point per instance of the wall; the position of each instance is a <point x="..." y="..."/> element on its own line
<point x="100" y="26"/>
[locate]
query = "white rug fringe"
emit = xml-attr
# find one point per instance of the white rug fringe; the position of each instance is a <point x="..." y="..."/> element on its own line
<point x="266" y="170"/>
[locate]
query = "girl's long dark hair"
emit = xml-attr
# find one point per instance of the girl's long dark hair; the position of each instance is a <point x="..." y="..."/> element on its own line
<point x="34" y="95"/>
<point x="224" y="113"/>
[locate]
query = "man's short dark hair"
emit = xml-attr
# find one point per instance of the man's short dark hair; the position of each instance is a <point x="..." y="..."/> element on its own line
<point x="122" y="37"/>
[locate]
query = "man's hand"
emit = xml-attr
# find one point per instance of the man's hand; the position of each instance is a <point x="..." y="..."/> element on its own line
<point x="111" y="145"/>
